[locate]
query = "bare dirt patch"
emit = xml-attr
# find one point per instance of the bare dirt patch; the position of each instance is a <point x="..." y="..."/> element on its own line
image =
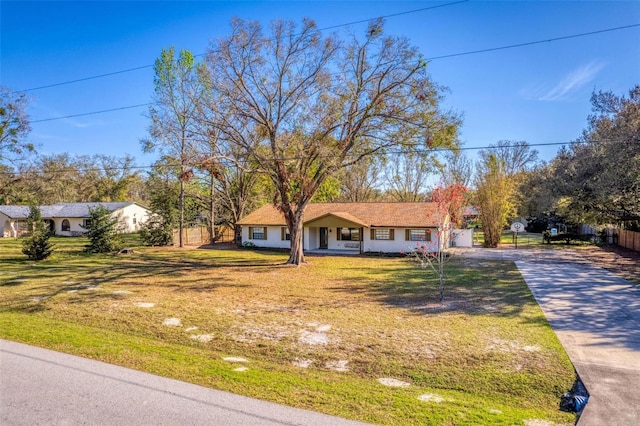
<point x="620" y="261"/>
<point x="341" y="365"/>
<point x="394" y="383"/>
<point x="431" y="397"/>
<point x="204" y="338"/>
<point x="172" y="322"/>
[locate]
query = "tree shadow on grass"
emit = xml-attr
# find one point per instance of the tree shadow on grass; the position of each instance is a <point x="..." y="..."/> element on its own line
<point x="86" y="272"/>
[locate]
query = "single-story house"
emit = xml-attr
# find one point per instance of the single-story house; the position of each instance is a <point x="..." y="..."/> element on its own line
<point x="359" y="227"/>
<point x="70" y="218"/>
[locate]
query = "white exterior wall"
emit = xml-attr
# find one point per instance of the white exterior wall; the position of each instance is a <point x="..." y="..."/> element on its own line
<point x="274" y="238"/>
<point x="311" y="240"/>
<point x="461" y="238"/>
<point x="398" y="244"/>
<point x="5" y="226"/>
<point x="75" y="226"/>
<point x="131" y="217"/>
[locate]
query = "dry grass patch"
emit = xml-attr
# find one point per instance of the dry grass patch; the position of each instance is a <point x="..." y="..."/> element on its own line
<point x="319" y="336"/>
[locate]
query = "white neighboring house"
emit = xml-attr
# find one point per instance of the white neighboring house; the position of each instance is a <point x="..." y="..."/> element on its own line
<point x="357" y="227"/>
<point x="68" y="219"/>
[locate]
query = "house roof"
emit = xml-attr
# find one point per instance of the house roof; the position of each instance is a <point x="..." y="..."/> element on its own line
<point x="15" y="212"/>
<point x="382" y="215"/>
<point x="61" y="210"/>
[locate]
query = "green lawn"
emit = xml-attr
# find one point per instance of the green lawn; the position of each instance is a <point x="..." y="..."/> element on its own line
<point x="318" y="337"/>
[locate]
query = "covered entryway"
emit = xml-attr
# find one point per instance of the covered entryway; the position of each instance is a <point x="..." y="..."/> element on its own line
<point x="336" y="231"/>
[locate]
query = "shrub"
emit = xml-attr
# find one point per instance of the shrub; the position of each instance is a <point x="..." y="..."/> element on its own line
<point x="37" y="246"/>
<point x="103" y="231"/>
<point x="157" y="232"/>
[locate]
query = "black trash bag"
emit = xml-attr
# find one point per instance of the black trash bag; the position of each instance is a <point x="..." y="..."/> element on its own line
<point x="575" y="400"/>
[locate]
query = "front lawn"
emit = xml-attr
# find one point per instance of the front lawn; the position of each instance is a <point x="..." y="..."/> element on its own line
<point x="329" y="336"/>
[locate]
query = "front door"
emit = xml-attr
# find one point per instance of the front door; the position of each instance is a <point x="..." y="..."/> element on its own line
<point x="324" y="238"/>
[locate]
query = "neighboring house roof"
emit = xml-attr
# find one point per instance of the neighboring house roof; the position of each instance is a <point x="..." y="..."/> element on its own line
<point x="61" y="210"/>
<point x="402" y="215"/>
<point x="15" y="212"/>
<point x="471" y="211"/>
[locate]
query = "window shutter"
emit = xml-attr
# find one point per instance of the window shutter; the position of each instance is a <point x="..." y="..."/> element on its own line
<point x="429" y="231"/>
<point x="373" y="234"/>
<point x="265" y="232"/>
<point x="391" y="234"/>
<point x="407" y="235"/>
<point x="282" y="233"/>
<point x="338" y="234"/>
<point x="251" y="232"/>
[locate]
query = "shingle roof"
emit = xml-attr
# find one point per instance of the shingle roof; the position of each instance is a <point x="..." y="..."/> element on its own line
<point x="61" y="210"/>
<point x="15" y="212"/>
<point x="401" y="215"/>
<point x="82" y="209"/>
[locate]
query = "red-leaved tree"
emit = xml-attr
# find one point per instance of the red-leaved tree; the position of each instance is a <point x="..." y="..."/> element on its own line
<point x="450" y="202"/>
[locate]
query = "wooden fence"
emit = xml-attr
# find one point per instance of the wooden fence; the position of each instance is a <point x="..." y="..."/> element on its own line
<point x="199" y="235"/>
<point x="629" y="239"/>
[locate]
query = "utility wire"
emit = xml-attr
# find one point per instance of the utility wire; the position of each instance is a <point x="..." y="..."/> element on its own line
<point x="91" y="113"/>
<point x="393" y="15"/>
<point x="467" y="148"/>
<point x="531" y="43"/>
<point x="78" y="80"/>
<point x="473" y="52"/>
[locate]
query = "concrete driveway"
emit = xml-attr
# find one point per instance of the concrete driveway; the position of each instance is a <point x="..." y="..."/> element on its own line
<point x="42" y="387"/>
<point x="596" y="316"/>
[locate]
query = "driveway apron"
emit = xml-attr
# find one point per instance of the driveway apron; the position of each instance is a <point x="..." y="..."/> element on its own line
<point x="596" y="316"/>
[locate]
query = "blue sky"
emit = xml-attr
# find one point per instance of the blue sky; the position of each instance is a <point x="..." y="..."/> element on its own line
<point x="537" y="93"/>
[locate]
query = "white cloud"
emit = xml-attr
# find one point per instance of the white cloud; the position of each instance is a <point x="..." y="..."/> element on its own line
<point x="573" y="82"/>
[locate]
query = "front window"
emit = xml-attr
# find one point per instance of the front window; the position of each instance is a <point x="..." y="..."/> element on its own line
<point x="349" y="234"/>
<point x="66" y="226"/>
<point x="284" y="234"/>
<point x="86" y="223"/>
<point x="382" y="234"/>
<point x="258" y="233"/>
<point x="418" y="235"/>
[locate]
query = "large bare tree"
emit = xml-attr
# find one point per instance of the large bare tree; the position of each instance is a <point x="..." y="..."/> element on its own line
<point x="407" y="177"/>
<point x="319" y="103"/>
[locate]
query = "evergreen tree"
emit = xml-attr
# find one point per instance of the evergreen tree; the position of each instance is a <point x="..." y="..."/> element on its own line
<point x="37" y="246"/>
<point x="157" y="231"/>
<point x="103" y="231"/>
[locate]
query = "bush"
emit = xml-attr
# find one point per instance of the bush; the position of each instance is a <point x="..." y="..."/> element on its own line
<point x="102" y="231"/>
<point x="37" y="246"/>
<point x="157" y="232"/>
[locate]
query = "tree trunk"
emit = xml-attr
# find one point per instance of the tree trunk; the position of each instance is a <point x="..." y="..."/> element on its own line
<point x="181" y="220"/>
<point x="296" y="230"/>
<point x="212" y="211"/>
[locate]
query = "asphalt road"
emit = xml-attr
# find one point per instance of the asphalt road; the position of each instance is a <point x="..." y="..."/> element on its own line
<point x="42" y="387"/>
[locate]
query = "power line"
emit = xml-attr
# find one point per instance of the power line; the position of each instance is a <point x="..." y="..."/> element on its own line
<point x="202" y="54"/>
<point x="473" y="52"/>
<point x="91" y="113"/>
<point x="531" y="43"/>
<point x="467" y="148"/>
<point x="393" y="15"/>
<point x="78" y="80"/>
